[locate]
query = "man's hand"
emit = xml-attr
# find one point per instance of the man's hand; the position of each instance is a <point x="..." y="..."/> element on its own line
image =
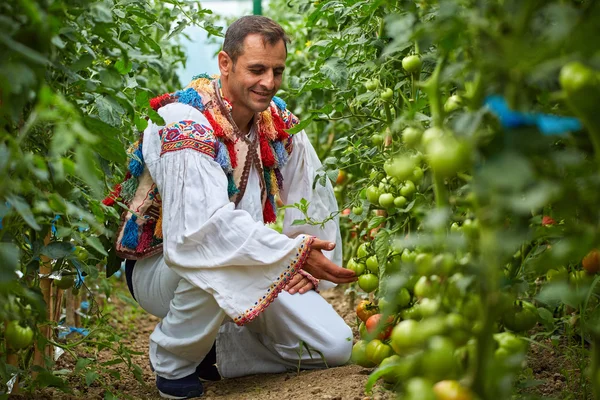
<point x="299" y="284"/>
<point x="320" y="267"/>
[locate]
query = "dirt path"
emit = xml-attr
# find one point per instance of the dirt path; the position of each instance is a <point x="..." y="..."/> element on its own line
<point x="135" y="326"/>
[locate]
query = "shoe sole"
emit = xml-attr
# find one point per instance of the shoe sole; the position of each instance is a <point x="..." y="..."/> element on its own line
<point x="191" y="395"/>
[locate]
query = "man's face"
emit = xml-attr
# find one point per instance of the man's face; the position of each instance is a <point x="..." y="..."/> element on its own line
<point x="257" y="74"/>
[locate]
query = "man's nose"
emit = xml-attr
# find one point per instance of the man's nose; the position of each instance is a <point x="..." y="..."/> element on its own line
<point x="268" y="80"/>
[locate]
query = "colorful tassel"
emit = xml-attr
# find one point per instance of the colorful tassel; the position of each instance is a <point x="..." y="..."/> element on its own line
<point x="218" y="131"/>
<point x="223" y="157"/>
<point x="130" y="235"/>
<point x="281" y="153"/>
<point x="279" y="103"/>
<point x="279" y="125"/>
<point x="145" y="238"/>
<point x="128" y="189"/>
<point x="267" y="127"/>
<point x="159" y="101"/>
<point x="266" y="152"/>
<point x="274" y="185"/>
<point x="231" y="188"/>
<point x="202" y="75"/>
<point x="267" y="179"/>
<point x="158" y="228"/>
<point x="136" y="165"/>
<point x="190" y="97"/>
<point x="279" y="178"/>
<point x="223" y="123"/>
<point x="113" y="196"/>
<point x="269" y="213"/>
<point x="289" y="144"/>
<point x="232" y="154"/>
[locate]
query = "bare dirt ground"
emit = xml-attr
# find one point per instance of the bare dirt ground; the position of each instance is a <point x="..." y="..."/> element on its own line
<point x="552" y="368"/>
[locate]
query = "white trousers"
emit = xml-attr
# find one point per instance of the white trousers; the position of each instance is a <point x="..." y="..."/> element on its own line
<point x="274" y="342"/>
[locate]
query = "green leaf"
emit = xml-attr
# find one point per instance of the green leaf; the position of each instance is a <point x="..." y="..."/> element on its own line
<point x="109" y="110"/>
<point x="24" y="210"/>
<point x="111" y="78"/>
<point x="87" y="169"/>
<point x="375" y="221"/>
<point x="90" y="377"/>
<point x="142" y="99"/>
<point x="23" y="50"/>
<point x="382" y="248"/>
<point x="56" y="250"/>
<point x="100" y="12"/>
<point x="9" y="261"/>
<point x="109" y="147"/>
<point x="82" y="363"/>
<point x="335" y="69"/>
<point x="300" y="126"/>
<point x="47" y="379"/>
<point x="298" y="222"/>
<point x="96" y="244"/>
<point x="152" y="44"/>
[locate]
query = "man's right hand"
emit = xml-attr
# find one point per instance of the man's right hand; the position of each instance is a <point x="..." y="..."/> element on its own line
<point x="320" y="267"/>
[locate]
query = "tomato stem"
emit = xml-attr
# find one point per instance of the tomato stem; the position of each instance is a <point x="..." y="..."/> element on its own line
<point x="432" y="87"/>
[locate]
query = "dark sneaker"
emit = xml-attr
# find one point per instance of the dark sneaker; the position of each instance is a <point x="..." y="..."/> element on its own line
<point x="185" y="388"/>
<point x="206" y="370"/>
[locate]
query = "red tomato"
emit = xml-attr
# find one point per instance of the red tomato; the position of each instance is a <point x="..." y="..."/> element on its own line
<point x="591" y="262"/>
<point x="547" y="221"/>
<point x="374" y="324"/>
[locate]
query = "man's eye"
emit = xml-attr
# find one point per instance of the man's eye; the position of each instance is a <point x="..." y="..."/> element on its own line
<point x="256" y="71"/>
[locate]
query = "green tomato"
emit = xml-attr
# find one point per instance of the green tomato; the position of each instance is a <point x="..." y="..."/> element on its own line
<point x="453" y="103"/>
<point x="362" y="330"/>
<point x="377" y="351"/>
<point x="417" y="174"/>
<point x="387" y="94"/>
<point x="65" y="282"/>
<point x="353" y="265"/>
<point x="411" y="137"/>
<point x="408" y="189"/>
<point x="412" y="64"/>
<point x="368" y="282"/>
<point x="424" y="263"/>
<point x="406" y="336"/>
<point x="455" y="227"/>
<point x="431" y="134"/>
<point x="357" y="210"/>
<point x="426" y="288"/>
<point x="408" y="257"/>
<point x="373" y="194"/>
<point x="377" y="139"/>
<point x="575" y="76"/>
<point x="373" y="264"/>
<point x="400" y="167"/>
<point x="419" y="389"/>
<point x="372" y="84"/>
<point x="438" y="362"/>
<point x="429" y="307"/>
<point x="557" y="274"/>
<point x="386" y="200"/>
<point x="447" y="156"/>
<point x="403" y="298"/>
<point x="359" y="354"/>
<point x="521" y="317"/>
<point x="400" y="201"/>
<point x="17" y="336"/>
<point x="81" y="253"/>
<point x="363" y="250"/>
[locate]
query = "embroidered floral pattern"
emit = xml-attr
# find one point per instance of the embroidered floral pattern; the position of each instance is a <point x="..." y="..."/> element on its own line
<point x="276" y="287"/>
<point x="187" y="134"/>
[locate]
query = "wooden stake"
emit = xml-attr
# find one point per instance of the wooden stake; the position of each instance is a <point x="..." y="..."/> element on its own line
<point x="46" y="288"/>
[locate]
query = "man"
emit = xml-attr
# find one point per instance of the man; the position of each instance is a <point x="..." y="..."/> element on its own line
<point x="199" y="190"/>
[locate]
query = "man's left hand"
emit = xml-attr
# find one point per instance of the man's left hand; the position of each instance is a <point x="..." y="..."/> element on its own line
<point x="299" y="284"/>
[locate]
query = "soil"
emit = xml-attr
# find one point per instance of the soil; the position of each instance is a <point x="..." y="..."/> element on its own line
<point x="550" y="371"/>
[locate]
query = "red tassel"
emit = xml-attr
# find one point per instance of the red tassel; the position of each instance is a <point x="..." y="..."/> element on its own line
<point x="218" y="131"/>
<point x="159" y="101"/>
<point x="145" y="238"/>
<point x="232" y="154"/>
<point x="268" y="213"/>
<point x="279" y="125"/>
<point x="266" y="153"/>
<point x="114" y="194"/>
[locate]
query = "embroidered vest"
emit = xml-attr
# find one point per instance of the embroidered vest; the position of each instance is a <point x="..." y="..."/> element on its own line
<point x="140" y="232"/>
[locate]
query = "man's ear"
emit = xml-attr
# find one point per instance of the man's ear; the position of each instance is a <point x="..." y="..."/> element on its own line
<point x="225" y="63"/>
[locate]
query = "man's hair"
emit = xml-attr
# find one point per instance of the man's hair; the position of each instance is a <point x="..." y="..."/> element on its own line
<point x="270" y="31"/>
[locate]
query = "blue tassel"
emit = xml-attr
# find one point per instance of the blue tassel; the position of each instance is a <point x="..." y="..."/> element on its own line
<point x="231" y="188"/>
<point x="267" y="175"/>
<point x="202" y="75"/>
<point x="279" y="103"/>
<point x="136" y="165"/>
<point x="281" y="153"/>
<point x="223" y="157"/>
<point x="190" y="97"/>
<point x="130" y="235"/>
